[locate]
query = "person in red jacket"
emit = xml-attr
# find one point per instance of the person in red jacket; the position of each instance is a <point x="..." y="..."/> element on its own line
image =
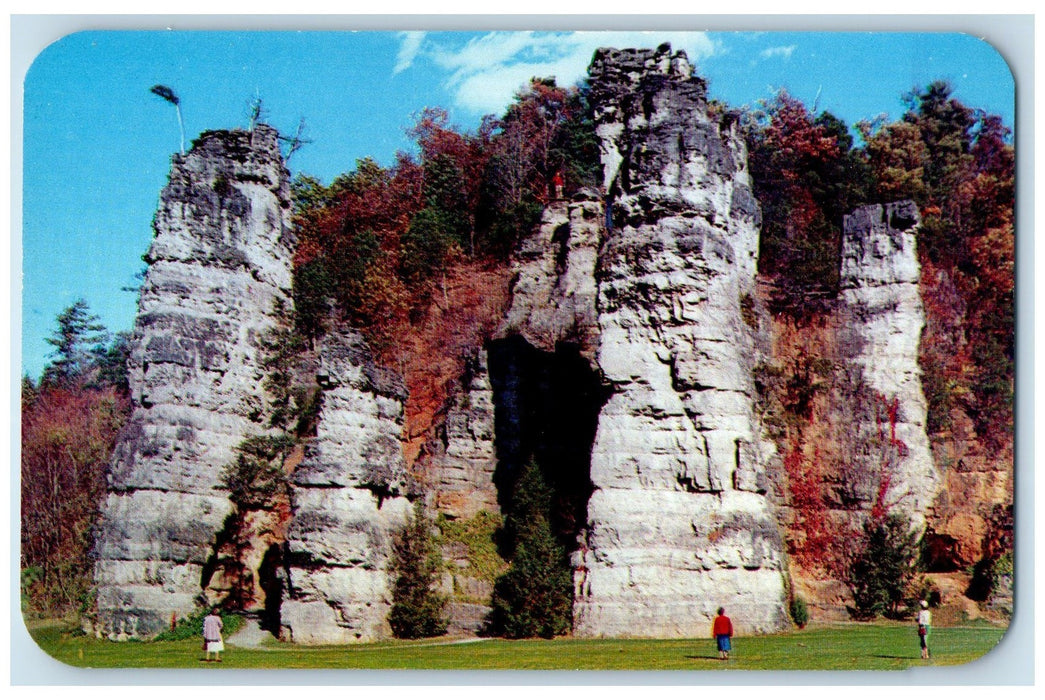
<point x="722" y="631"/>
<point x="557" y="184"/>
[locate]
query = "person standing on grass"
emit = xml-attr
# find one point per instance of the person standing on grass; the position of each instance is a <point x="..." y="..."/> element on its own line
<point x="212" y="644"/>
<point x="722" y="631"/>
<point x="925" y="619"/>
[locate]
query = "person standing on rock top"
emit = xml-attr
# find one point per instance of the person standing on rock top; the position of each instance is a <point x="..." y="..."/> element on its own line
<point x="557" y="184"/>
<point x="212" y="644"/>
<point x="722" y="631"/>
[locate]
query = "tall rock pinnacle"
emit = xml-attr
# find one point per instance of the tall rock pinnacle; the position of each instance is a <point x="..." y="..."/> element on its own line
<point x="219" y="271"/>
<point x="892" y="463"/>
<point x="679" y="522"/>
<point x="676" y="520"/>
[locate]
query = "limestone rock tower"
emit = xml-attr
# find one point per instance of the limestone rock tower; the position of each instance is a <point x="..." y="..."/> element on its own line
<point x="349" y="495"/>
<point x="219" y="272"/>
<point x="632" y="298"/>
<point x="892" y="463"/>
<point x="679" y="521"/>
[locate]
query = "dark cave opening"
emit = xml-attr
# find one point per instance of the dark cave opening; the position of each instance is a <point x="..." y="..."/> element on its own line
<point x="271" y="582"/>
<point x="547" y="406"/>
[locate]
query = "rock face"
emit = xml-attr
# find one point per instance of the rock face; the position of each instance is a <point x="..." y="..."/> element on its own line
<point x="554" y="293"/>
<point x="679" y="522"/>
<point x="349" y="495"/>
<point x="462" y="455"/>
<point x="676" y="521"/>
<point x="219" y="266"/>
<point x="891" y="459"/>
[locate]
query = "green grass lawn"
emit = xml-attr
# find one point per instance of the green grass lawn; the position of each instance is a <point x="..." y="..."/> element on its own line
<point x="879" y="646"/>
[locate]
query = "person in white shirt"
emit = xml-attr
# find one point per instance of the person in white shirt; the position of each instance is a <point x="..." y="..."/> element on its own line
<point x="925" y="619"/>
<point x="212" y="642"/>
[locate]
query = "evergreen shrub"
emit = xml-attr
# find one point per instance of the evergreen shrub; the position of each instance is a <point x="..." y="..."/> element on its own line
<point x="881" y="572"/>
<point x="799" y="611"/>
<point x="417" y="607"/>
<point x="534" y="598"/>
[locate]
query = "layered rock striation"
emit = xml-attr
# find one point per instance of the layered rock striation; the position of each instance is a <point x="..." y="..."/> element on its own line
<point x="349" y="495"/>
<point x="554" y="290"/>
<point x="676" y="521"/>
<point x="219" y="274"/>
<point x="679" y="522"/>
<point x="462" y="454"/>
<point x="892" y="465"/>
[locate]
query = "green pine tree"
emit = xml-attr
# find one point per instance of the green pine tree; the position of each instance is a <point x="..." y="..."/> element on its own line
<point x="881" y="573"/>
<point x="417" y="608"/>
<point x="534" y="598"/>
<point x="78" y="341"/>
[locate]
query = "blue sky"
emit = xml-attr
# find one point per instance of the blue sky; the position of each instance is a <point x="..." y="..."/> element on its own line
<point x="97" y="144"/>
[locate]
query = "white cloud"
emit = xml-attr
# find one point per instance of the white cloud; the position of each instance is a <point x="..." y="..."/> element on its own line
<point x="778" y="52"/>
<point x="408" y="50"/>
<point x="487" y="71"/>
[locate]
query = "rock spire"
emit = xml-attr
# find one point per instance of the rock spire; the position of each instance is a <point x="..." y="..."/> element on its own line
<point x="349" y="496"/>
<point x="892" y="463"/>
<point x="219" y="273"/>
<point x="678" y="521"/>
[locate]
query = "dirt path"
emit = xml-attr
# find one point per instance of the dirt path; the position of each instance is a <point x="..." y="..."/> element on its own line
<point x="251" y="636"/>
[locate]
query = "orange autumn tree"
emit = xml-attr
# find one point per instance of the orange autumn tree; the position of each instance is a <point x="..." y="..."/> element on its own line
<point x="347" y="264"/>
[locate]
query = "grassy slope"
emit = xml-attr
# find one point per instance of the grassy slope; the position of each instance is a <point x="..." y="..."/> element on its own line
<point x="864" y="646"/>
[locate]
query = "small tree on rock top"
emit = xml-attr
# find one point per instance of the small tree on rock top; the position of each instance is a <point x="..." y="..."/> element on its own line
<point x="168" y="94"/>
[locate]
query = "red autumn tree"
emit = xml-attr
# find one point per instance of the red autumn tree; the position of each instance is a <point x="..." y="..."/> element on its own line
<point x="68" y="434"/>
<point x="350" y="246"/>
<point x="453" y="164"/>
<point x="968" y="237"/>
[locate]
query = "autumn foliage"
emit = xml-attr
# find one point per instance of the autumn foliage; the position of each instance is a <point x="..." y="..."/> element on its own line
<point x="806" y="177"/>
<point x="70" y="421"/>
<point x="817" y="547"/>
<point x="378" y="243"/>
<point x="68" y="434"/>
<point x="958" y="165"/>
